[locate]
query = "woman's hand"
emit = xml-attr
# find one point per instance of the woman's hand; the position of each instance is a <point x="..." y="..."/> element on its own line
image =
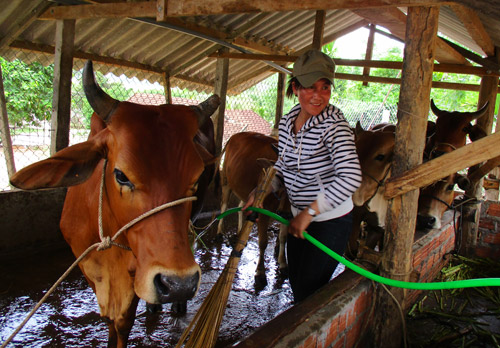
<point x="249" y="202"/>
<point x="299" y="224"/>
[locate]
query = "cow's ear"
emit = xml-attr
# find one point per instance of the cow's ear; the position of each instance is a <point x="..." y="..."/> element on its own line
<point x="70" y="166"/>
<point x="359" y="129"/>
<point x="206" y="156"/>
<point x="475" y="132"/>
<point x="463" y="182"/>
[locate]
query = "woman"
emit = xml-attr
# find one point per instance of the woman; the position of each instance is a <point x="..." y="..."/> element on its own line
<point x="319" y="167"/>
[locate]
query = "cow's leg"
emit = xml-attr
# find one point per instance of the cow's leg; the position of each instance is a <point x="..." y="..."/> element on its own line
<point x="353" y="244"/>
<point x="119" y="330"/>
<point x="262" y="225"/>
<point x="226" y="191"/>
<point x="123" y="326"/>
<point x="282" y="241"/>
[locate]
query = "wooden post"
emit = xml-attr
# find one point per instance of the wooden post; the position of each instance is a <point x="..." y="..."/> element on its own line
<point x="280" y="100"/>
<point x="319" y="27"/>
<point x="418" y="63"/>
<point x="5" y="131"/>
<point x="220" y="86"/>
<point x="369" y="51"/>
<point x="61" y="100"/>
<point x="167" y="88"/>
<point x="471" y="211"/>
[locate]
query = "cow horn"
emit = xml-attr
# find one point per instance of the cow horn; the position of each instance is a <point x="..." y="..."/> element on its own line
<point x="479" y="113"/>
<point x="206" y="108"/>
<point x="435" y="109"/>
<point x="474" y="115"/>
<point x="103" y="104"/>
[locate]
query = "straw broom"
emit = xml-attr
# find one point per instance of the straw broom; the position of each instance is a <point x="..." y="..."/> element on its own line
<point x="209" y="317"/>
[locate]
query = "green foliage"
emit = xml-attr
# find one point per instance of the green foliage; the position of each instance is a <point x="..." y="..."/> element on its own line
<point x="28" y="91"/>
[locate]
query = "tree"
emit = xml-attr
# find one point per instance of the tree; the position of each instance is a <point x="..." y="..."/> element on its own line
<point x="28" y="91"/>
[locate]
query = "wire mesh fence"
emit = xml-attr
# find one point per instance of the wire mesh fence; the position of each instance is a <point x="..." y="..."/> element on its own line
<point x="28" y="91"/>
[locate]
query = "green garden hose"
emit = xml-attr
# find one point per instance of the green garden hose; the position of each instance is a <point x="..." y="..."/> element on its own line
<point x="468" y="283"/>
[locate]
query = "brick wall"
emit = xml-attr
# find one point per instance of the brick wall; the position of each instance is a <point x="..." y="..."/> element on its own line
<point x="488" y="239"/>
<point x="338" y="314"/>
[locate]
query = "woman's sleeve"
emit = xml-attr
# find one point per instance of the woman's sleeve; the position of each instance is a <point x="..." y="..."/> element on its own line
<point x="340" y="141"/>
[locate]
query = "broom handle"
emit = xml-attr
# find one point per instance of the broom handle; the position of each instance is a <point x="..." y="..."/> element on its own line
<point x="260" y="195"/>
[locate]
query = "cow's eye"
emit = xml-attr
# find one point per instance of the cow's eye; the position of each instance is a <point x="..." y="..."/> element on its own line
<point x="122" y="179"/>
<point x="380" y="157"/>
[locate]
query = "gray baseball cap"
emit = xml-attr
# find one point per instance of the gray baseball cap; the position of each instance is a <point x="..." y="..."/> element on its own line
<point x="312" y="66"/>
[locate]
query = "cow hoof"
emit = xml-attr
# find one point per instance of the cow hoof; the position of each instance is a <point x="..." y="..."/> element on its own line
<point x="260" y="282"/>
<point x="283" y="272"/>
<point x="219" y="238"/>
<point x="179" y="308"/>
<point x="153" y="308"/>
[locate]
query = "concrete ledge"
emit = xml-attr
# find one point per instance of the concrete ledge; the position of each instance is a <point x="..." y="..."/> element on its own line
<point x="30" y="222"/>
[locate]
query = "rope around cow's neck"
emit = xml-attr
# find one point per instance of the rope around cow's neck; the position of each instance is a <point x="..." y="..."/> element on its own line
<point x="105" y="243"/>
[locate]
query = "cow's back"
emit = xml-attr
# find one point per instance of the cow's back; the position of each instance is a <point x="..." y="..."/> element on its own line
<point x="241" y="169"/>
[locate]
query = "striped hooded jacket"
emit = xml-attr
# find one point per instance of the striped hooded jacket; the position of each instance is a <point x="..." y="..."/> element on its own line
<point x="319" y="162"/>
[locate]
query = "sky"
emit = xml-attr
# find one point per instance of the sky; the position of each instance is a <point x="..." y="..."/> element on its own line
<point x="347" y="50"/>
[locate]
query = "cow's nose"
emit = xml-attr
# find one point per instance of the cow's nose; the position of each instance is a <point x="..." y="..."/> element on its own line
<point x="173" y="288"/>
<point x="425" y="221"/>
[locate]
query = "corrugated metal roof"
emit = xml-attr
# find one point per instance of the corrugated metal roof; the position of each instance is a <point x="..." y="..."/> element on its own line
<point x="163" y="49"/>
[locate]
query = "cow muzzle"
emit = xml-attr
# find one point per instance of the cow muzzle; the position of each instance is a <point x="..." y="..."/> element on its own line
<point x="175" y="288"/>
<point x="427" y="222"/>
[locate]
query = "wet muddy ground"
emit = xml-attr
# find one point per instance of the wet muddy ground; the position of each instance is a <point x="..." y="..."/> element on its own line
<point x="70" y="317"/>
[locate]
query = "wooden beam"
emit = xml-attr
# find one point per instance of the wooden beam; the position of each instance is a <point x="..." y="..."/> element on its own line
<point x="444" y="67"/>
<point x="220" y="88"/>
<point x="319" y="27"/>
<point x="63" y="72"/>
<point x="369" y="52"/>
<point x="167" y="88"/>
<point x="391" y="80"/>
<point x="476" y="152"/>
<point x="470" y="226"/>
<point x="28" y="46"/>
<point x="487" y="167"/>
<point x="475" y="27"/>
<point x="104" y="10"/>
<point x="217" y="7"/>
<point x="280" y="102"/>
<point x="486" y="63"/>
<point x="5" y="131"/>
<point x="413" y="108"/>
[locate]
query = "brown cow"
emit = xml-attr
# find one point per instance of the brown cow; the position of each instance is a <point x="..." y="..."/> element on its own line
<point x="151" y="160"/>
<point x="451" y="130"/>
<point x="240" y="174"/>
<point x="375" y="148"/>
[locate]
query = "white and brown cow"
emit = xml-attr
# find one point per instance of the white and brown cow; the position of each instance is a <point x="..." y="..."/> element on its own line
<point x="151" y="159"/>
<point x="375" y="148"/>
